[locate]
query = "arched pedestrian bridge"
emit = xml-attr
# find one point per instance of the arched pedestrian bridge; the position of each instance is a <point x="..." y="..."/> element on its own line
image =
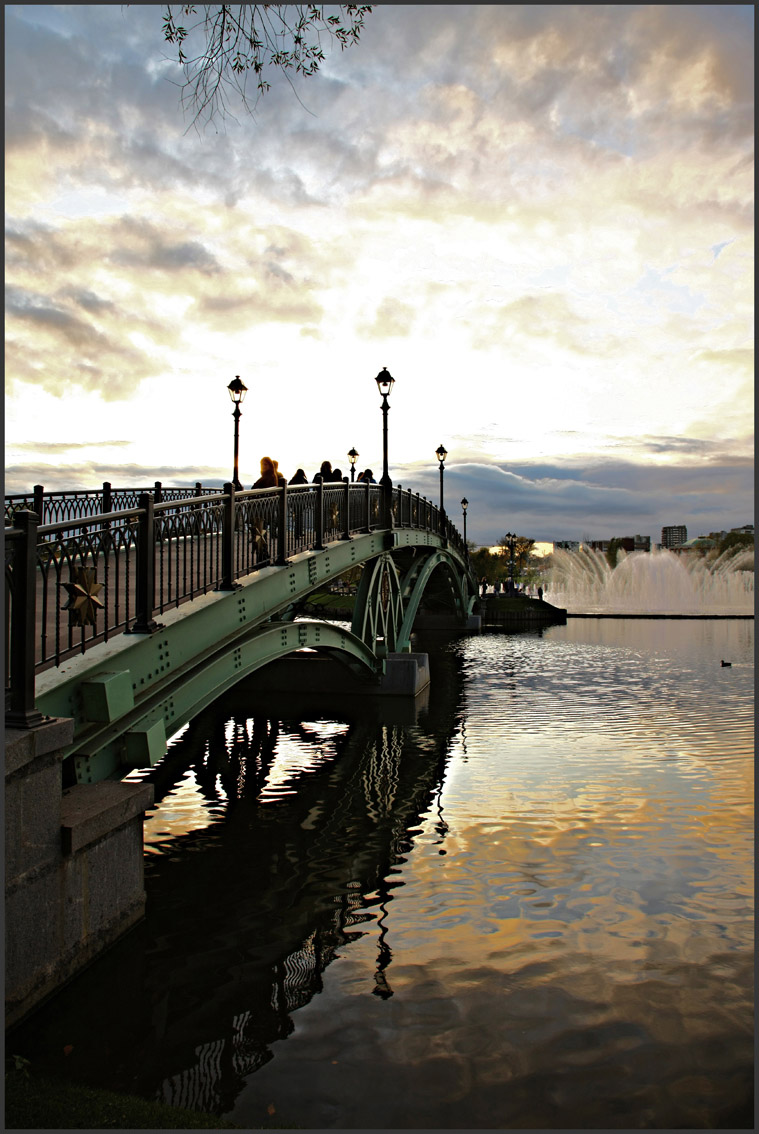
<point x="131" y="611"/>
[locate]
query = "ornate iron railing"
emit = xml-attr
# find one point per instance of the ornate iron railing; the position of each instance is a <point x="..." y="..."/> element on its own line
<point x="81" y="580"/>
<point x="52" y="507"/>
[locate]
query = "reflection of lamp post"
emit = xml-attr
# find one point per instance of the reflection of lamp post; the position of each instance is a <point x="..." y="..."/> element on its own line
<point x="464" y="506"/>
<point x="385" y="383"/>
<point x="352" y="457"/>
<point x="237" y="392"/>
<point x="511" y="544"/>
<point x="384" y="952"/>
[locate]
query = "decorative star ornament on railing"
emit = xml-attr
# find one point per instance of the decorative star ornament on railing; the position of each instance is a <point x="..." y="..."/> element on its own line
<point x="258" y="535"/>
<point x="83" y="602"/>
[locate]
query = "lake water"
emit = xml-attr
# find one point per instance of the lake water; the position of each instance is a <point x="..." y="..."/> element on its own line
<point x="528" y="904"/>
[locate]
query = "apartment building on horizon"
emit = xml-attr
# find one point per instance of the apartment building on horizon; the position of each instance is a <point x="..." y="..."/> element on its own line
<point x="674" y="536"/>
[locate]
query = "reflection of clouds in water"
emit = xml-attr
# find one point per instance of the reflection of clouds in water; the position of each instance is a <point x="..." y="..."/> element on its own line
<point x="594" y="692"/>
<point x="294" y="756"/>
<point x="181" y="810"/>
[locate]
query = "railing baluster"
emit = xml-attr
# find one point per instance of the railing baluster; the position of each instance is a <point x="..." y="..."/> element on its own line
<point x="38" y="506"/>
<point x="145" y="600"/>
<point x="347" y="510"/>
<point x="368" y="505"/>
<point x="21" y="712"/>
<point x="228" y="540"/>
<point x="319" y="516"/>
<point x="282" y="548"/>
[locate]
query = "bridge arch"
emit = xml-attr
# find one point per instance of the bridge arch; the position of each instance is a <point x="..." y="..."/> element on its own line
<point x="137" y="737"/>
<point x="387" y="602"/>
<point x="417" y="578"/>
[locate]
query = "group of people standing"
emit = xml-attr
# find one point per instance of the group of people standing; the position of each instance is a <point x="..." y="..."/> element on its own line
<point x="271" y="477"/>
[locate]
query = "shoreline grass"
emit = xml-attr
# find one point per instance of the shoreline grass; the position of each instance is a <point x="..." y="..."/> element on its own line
<point x="41" y="1102"/>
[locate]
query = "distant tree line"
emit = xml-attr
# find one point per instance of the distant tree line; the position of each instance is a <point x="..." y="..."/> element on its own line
<point x="495" y="567"/>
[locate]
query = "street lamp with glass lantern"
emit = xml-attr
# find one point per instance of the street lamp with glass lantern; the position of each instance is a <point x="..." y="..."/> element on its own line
<point x="353" y="457"/>
<point x="464" y="506"/>
<point x="385" y="383"/>
<point x="441" y="454"/>
<point x="237" y="392"/>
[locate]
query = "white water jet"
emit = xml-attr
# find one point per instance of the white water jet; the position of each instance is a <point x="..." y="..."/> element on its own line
<point x="655" y="582"/>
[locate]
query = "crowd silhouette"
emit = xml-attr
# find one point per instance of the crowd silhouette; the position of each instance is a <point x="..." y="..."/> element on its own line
<point x="271" y="477"/>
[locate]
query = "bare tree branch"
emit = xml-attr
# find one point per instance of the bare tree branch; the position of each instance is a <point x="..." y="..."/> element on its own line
<point x="230" y="46"/>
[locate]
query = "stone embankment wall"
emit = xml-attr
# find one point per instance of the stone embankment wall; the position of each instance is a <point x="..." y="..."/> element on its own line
<point x="74" y="878"/>
<point x="532" y="614"/>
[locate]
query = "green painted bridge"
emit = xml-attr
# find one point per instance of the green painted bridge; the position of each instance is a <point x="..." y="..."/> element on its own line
<point x="131" y="621"/>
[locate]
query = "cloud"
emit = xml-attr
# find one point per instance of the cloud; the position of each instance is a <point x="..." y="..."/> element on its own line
<point x="69" y="446"/>
<point x="392" y="319"/>
<point x="141" y="245"/>
<point x="549" y="501"/>
<point x="545" y="210"/>
<point x="90" y="475"/>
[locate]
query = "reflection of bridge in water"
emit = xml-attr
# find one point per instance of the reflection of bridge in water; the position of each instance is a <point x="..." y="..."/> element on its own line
<point x="321" y="804"/>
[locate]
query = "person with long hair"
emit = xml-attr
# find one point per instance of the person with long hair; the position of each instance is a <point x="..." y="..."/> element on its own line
<point x="269" y="477"/>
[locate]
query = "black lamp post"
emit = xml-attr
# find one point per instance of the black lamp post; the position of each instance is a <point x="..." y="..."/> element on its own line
<point x="464" y="506"/>
<point x="352" y="457"/>
<point x="385" y="383"/>
<point x="237" y="392"/>
<point x="441" y="454"/>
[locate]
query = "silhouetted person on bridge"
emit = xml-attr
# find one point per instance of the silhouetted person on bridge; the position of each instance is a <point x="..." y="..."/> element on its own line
<point x="269" y="477"/>
<point x="324" y="474"/>
<point x="366" y="477"/>
<point x="299" y="477"/>
<point x="337" y="475"/>
<point x="540" y="593"/>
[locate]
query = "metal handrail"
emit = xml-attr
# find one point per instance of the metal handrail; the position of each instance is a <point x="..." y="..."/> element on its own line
<point x="75" y="503"/>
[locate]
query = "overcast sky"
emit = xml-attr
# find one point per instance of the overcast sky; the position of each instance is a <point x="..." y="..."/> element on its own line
<point x="538" y="217"/>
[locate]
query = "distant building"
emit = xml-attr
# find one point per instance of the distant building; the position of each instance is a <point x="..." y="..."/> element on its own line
<point x="747" y="529"/>
<point x="635" y="543"/>
<point x="567" y="544"/>
<point x="674" y="536"/>
<point x="627" y="543"/>
<point x="700" y="545"/>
